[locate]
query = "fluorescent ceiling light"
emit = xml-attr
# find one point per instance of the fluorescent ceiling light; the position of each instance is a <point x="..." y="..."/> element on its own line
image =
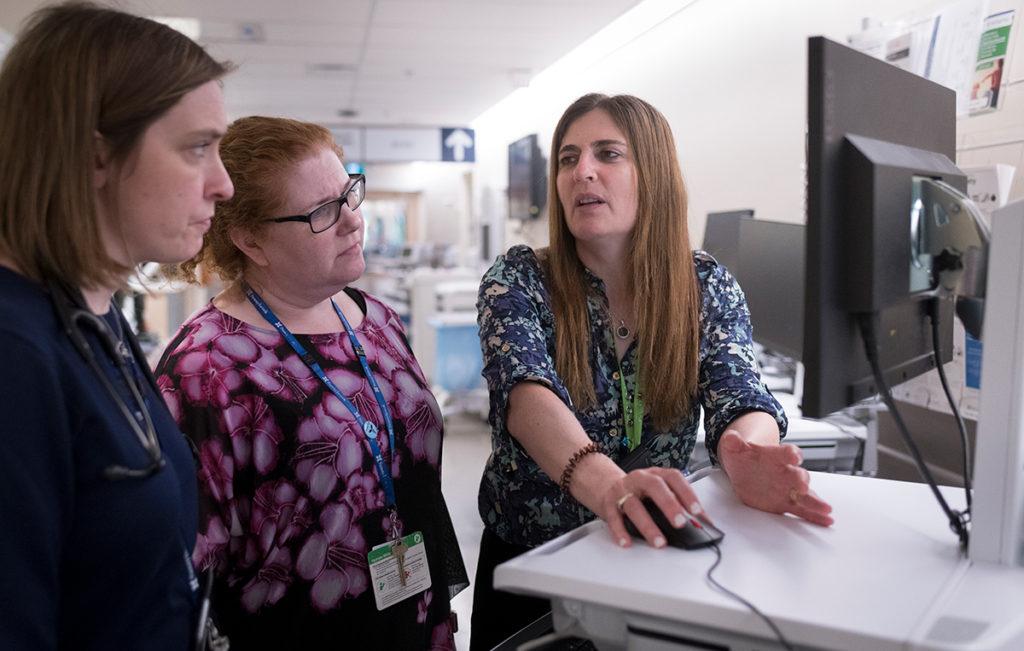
<point x="609" y="39"/>
<point x="612" y="37"/>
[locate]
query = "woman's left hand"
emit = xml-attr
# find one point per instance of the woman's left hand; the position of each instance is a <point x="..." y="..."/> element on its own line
<point x="769" y="478"/>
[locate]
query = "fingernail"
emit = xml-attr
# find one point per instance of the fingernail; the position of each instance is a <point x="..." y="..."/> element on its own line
<point x="623" y="542"/>
<point x="659" y="542"/>
<point x="695" y="509"/>
<point x="679" y="520"/>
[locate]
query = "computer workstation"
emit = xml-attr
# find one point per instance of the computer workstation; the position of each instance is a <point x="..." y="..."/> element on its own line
<point x="890" y="574"/>
<point x="767" y="259"/>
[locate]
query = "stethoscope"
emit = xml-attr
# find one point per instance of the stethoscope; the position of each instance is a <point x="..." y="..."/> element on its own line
<point x="74" y="317"/>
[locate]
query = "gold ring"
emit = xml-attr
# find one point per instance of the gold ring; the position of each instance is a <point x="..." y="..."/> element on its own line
<point x="622" y="500"/>
<point x="793" y="495"/>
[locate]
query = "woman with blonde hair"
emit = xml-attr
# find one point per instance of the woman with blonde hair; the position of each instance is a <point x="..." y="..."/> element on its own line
<point x="109" y="125"/>
<point x="321" y="512"/>
<point x="610" y="341"/>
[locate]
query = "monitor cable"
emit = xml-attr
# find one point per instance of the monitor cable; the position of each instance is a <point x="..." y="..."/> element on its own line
<point x="957" y="519"/>
<point x="965" y="453"/>
<point x="732" y="595"/>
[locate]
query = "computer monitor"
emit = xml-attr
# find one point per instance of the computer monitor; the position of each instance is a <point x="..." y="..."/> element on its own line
<point x="722" y="236"/>
<point x="873" y="132"/>
<point x="872" y="128"/>
<point x="527" y="179"/>
<point x="771" y="273"/>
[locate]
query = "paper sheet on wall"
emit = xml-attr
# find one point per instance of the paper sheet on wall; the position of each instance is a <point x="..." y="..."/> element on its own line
<point x="955" y="49"/>
<point x="988" y="78"/>
<point x="942" y="46"/>
<point x="988" y="186"/>
<point x="911" y="49"/>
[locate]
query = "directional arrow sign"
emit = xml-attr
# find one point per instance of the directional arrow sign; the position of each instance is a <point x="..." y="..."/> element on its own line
<point x="458" y="145"/>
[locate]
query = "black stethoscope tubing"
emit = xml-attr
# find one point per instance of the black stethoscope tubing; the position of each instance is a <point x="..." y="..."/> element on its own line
<point x="73" y="316"/>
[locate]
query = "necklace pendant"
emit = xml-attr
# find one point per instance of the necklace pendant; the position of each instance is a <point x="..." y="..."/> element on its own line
<point x="622" y="332"/>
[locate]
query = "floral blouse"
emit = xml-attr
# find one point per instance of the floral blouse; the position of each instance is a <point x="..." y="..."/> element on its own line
<point x="517" y="500"/>
<point x="290" y="501"/>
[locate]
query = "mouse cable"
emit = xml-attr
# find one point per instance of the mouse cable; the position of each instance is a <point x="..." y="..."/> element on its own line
<point x="957" y="519"/>
<point x="754" y="609"/>
<point x="933" y="314"/>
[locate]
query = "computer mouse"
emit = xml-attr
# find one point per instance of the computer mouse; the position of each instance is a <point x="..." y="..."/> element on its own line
<point x="694" y="535"/>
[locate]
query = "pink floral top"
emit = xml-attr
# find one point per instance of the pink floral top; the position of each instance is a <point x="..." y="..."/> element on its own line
<point x="290" y="502"/>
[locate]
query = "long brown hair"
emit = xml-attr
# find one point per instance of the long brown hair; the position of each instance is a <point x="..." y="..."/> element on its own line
<point x="76" y="70"/>
<point x="660" y="267"/>
<point x="256" y="151"/>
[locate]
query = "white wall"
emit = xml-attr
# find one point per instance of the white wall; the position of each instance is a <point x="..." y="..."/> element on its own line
<point x="730" y="76"/>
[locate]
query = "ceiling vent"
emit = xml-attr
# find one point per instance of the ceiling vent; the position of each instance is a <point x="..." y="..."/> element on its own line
<point x="331" y="69"/>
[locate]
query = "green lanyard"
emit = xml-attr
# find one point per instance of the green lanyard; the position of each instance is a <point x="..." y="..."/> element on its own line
<point x="632" y="413"/>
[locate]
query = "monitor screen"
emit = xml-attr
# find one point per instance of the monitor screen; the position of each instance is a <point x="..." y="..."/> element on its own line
<point x="722" y="236"/>
<point x="871" y="128"/>
<point x="771" y="273"/>
<point x="527" y="179"/>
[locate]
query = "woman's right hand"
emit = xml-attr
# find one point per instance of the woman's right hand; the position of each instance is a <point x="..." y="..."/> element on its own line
<point x="666" y="487"/>
<point x="551" y="434"/>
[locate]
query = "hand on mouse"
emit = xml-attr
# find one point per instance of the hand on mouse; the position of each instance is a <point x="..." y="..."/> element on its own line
<point x="769" y="478"/>
<point x="665" y="486"/>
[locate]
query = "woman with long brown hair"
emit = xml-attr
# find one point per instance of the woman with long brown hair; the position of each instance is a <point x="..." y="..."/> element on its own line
<point x="612" y="340"/>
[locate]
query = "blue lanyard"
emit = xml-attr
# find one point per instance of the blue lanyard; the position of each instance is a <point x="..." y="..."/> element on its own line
<point x="369" y="429"/>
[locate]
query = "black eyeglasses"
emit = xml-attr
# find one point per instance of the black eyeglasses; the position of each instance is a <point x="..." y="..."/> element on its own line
<point x="323" y="217"/>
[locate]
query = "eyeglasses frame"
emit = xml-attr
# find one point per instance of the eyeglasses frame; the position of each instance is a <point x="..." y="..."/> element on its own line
<point x="308" y="217"/>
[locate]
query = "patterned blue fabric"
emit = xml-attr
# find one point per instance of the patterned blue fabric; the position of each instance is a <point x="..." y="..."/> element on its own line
<point x="517" y="500"/>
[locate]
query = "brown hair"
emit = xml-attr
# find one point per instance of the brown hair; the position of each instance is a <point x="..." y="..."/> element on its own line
<point x="256" y="152"/>
<point x="76" y="70"/>
<point x="660" y="267"/>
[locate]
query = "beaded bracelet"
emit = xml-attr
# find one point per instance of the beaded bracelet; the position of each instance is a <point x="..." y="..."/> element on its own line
<point x="590" y="448"/>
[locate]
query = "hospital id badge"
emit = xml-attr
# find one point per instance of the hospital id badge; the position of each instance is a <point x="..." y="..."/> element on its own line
<point x="393" y="561"/>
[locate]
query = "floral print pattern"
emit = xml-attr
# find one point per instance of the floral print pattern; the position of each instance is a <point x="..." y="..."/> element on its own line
<point x="290" y="500"/>
<point x="517" y="500"/>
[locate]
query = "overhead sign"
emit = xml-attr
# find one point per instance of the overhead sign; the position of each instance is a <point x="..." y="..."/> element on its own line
<point x="458" y="145"/>
<point x="406" y="144"/>
<point x="384" y="145"/>
<point x="350" y="139"/>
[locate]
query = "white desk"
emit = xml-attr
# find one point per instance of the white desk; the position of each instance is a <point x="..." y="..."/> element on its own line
<point x="886" y="576"/>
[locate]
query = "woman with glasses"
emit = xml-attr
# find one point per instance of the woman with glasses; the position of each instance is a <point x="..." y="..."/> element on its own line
<point x="319" y="440"/>
<point x="109" y="125"/>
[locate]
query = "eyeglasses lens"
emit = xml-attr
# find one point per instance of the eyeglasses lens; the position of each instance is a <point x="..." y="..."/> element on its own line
<point x="325" y="217"/>
<point x="355" y="194"/>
